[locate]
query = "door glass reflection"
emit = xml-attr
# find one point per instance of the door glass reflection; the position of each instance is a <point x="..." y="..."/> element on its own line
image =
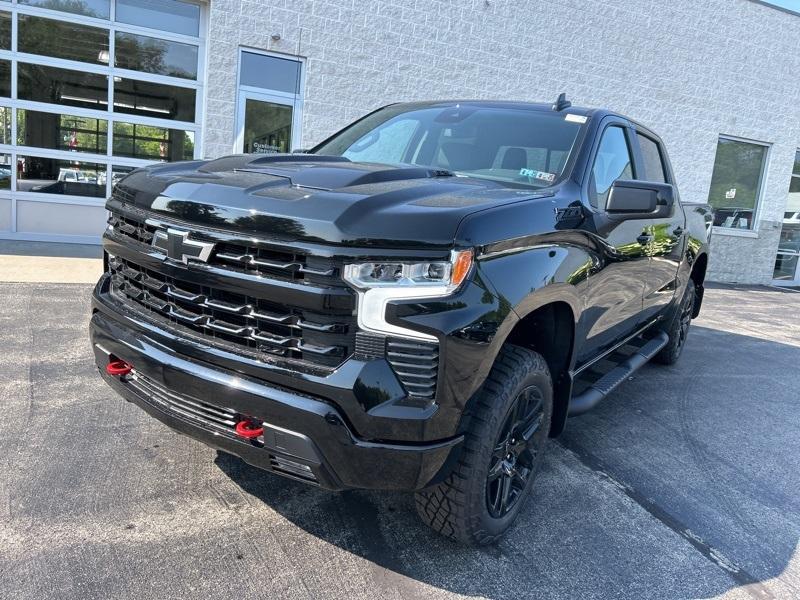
<point x="267" y="127"/>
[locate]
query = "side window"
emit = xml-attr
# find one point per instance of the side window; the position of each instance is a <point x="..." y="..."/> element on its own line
<point x="653" y="162"/>
<point x="613" y="161"/>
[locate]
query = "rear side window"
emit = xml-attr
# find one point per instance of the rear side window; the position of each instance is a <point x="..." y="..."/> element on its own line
<point x="613" y="161"/>
<point x="653" y="161"/>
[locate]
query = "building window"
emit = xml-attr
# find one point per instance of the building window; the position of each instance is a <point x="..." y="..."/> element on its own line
<point x="50" y="37"/>
<point x="736" y="182"/>
<point x="153" y="55"/>
<point x="174" y="15"/>
<point x="102" y="87"/>
<point x="100" y="9"/>
<point x="787" y="262"/>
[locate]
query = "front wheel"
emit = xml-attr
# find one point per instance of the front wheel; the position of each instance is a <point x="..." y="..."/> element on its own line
<point x="678" y="329"/>
<point x="503" y="448"/>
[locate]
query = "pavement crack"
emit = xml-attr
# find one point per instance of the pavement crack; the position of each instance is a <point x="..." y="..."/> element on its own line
<point x="751" y="584"/>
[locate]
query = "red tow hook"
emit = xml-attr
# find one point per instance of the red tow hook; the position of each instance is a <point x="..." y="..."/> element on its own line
<point x="248" y="429"/>
<point x="118" y="368"/>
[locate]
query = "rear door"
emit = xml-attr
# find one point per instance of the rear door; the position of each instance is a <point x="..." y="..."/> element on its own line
<point x="667" y="242"/>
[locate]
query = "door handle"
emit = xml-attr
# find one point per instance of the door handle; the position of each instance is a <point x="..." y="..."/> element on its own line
<point x="678" y="231"/>
<point x="644" y="239"/>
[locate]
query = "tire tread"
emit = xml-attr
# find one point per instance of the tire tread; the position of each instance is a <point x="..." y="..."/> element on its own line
<point x="445" y="507"/>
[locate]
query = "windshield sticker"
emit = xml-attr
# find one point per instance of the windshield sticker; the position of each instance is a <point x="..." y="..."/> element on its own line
<point x="541" y="175"/>
<point x="575" y="118"/>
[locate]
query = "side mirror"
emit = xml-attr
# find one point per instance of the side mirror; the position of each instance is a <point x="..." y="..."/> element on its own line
<point x="630" y="199"/>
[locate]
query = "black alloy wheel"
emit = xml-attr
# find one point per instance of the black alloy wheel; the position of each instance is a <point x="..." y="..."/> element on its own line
<point x="514" y="453"/>
<point x="687" y="308"/>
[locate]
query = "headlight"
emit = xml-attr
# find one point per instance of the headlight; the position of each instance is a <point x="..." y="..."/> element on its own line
<point x="378" y="283"/>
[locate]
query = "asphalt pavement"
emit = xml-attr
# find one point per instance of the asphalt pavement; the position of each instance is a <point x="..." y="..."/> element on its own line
<point x="683" y="484"/>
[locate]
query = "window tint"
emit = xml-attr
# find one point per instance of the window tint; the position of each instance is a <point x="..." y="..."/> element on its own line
<point x="270" y="73"/>
<point x="5" y="78"/>
<point x="6" y="171"/>
<point x="736" y="182"/>
<point x="169" y="15"/>
<point x="153" y="100"/>
<point x="5" y="30"/>
<point x="152" y="143"/>
<point x="613" y="161"/>
<point x="653" y="162"/>
<point x="5" y="125"/>
<point x="151" y="55"/>
<point x="53" y="176"/>
<point x="91" y="8"/>
<point x="267" y="127"/>
<point x="61" y="132"/>
<point x="62" y="86"/>
<point x="58" y="39"/>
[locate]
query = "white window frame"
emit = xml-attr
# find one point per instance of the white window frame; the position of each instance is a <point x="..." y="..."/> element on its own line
<point x="107" y="114"/>
<point x="243" y="92"/>
<point x="753" y="231"/>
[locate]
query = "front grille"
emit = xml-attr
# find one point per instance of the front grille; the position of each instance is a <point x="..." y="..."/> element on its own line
<point x="218" y="419"/>
<point x="132" y="229"/>
<point x="255" y="325"/>
<point x="416" y="365"/>
<point x="215" y="418"/>
<point x="283" y="263"/>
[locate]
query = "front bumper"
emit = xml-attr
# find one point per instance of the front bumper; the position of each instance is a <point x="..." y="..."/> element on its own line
<point x="304" y="434"/>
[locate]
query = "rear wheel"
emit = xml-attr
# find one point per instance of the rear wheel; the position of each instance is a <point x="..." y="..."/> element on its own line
<point x="503" y="448"/>
<point x="678" y="329"/>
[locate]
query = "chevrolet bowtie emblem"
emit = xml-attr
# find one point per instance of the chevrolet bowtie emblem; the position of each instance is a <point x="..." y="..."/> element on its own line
<point x="177" y="246"/>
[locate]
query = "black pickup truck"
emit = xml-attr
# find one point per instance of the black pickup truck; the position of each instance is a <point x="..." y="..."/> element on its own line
<point x="415" y="304"/>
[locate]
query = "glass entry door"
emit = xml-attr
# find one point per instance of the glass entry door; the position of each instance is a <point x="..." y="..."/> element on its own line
<point x="787" y="262"/>
<point x="269" y="103"/>
<point x="266" y="124"/>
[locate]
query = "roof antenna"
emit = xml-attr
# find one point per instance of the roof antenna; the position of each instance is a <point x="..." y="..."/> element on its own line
<point x="562" y="102"/>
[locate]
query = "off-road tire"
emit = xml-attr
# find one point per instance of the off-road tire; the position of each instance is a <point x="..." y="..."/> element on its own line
<point x="678" y="328"/>
<point x="458" y="507"/>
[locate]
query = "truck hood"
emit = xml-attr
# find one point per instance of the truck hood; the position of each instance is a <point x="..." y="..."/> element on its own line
<point x="317" y="199"/>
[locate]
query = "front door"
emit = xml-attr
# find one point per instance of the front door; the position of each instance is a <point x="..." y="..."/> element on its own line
<point x="616" y="288"/>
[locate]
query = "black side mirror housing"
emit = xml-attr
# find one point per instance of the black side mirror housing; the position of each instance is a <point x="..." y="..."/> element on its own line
<point x="629" y="199"/>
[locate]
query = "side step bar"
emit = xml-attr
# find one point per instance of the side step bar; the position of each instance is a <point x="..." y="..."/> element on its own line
<point x="601" y="388"/>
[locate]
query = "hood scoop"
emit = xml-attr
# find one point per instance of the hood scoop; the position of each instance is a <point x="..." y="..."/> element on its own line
<point x="324" y="177"/>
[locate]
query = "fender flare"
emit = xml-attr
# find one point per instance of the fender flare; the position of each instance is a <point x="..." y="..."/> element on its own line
<point x="552" y="293"/>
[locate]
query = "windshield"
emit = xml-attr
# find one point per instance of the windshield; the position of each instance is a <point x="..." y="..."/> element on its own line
<point x="511" y="145"/>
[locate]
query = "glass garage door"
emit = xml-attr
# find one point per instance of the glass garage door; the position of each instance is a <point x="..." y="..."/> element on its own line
<point x="89" y="91"/>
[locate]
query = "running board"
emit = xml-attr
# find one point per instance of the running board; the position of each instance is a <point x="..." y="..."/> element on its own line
<point x="601" y="388"/>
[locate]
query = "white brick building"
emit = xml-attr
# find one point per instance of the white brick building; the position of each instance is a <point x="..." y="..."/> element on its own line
<point x="692" y="71"/>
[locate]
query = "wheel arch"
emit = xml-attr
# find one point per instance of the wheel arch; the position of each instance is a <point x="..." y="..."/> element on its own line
<point x="698" y="276"/>
<point x="549" y="329"/>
